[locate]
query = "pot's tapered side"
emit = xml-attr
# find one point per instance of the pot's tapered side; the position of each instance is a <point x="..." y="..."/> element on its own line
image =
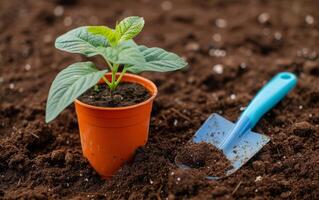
<point x="110" y="136"/>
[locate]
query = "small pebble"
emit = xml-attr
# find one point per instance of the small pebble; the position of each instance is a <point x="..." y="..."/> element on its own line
<point x="151" y="182"/>
<point x="309" y="19"/>
<point x="217" y="37"/>
<point x="58" y="11"/>
<point x="167" y="5"/>
<point x="11" y="86"/>
<point x="217" y="52"/>
<point x="27" y="67"/>
<point x="175" y="122"/>
<point x="218" y="69"/>
<point x="258" y="178"/>
<point x="300" y="107"/>
<point x="242" y="108"/>
<point x="221" y="23"/>
<point x="178" y="179"/>
<point x="67" y="21"/>
<point x="277" y="35"/>
<point x="263" y="18"/>
<point x="243" y="65"/>
<point x="192" y="46"/>
<point x="232" y="96"/>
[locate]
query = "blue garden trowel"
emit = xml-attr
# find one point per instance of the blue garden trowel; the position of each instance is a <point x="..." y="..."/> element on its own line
<point x="237" y="141"/>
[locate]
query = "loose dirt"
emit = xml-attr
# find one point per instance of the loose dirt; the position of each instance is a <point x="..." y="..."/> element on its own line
<point x="203" y="158"/>
<point x="232" y="47"/>
<point x="126" y="94"/>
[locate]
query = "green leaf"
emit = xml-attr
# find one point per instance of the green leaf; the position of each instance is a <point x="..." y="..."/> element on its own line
<point x="69" y="84"/>
<point x="105" y="31"/>
<point x="123" y="54"/>
<point x="158" y="60"/>
<point x="80" y="41"/>
<point x="129" y="27"/>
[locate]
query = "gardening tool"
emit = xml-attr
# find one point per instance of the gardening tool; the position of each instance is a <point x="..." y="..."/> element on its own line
<point x="237" y="141"/>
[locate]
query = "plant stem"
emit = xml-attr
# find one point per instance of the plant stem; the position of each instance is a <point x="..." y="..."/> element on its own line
<point x="120" y="77"/>
<point x="106" y="81"/>
<point x="114" y="71"/>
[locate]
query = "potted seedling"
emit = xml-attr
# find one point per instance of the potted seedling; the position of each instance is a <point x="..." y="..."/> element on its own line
<point x="113" y="107"/>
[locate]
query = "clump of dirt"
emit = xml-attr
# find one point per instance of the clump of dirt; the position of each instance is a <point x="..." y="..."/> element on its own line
<point x="126" y="94"/>
<point x="204" y="158"/>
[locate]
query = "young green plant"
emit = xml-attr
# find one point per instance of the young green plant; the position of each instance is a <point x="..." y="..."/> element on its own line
<point x="117" y="48"/>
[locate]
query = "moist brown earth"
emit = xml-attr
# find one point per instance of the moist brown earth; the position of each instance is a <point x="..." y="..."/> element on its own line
<point x="203" y="158"/>
<point x="232" y="47"/>
<point x="126" y="94"/>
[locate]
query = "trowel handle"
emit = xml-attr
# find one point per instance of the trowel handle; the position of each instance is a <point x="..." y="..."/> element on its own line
<point x="276" y="89"/>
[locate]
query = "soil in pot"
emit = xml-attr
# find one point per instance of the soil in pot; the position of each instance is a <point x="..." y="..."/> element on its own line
<point x="126" y="94"/>
<point x="204" y="158"/>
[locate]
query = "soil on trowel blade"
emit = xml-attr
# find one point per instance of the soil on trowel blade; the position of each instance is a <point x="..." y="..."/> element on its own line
<point x="126" y="94"/>
<point x="204" y="158"/>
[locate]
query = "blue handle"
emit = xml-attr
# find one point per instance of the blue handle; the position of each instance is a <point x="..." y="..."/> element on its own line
<point x="278" y="87"/>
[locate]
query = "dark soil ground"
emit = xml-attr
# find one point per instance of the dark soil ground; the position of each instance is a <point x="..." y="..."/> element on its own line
<point x="233" y="48"/>
<point x="126" y="94"/>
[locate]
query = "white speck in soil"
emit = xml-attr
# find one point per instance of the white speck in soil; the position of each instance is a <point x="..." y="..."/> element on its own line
<point x="221" y="23"/>
<point x="309" y="19"/>
<point x="27" y="67"/>
<point x="67" y="21"/>
<point x="11" y="86"/>
<point x="243" y="65"/>
<point x="278" y="35"/>
<point x="81" y="174"/>
<point x="151" y="182"/>
<point x="242" y="108"/>
<point x="263" y="18"/>
<point x="86" y="179"/>
<point x="167" y="5"/>
<point x="192" y="46"/>
<point x="217" y="52"/>
<point x="218" y="69"/>
<point x="217" y="37"/>
<point x="178" y="179"/>
<point x="58" y="11"/>
<point x="233" y="96"/>
<point x="300" y="107"/>
<point x="310" y="115"/>
<point x="175" y="122"/>
<point x="67" y="184"/>
<point x="67" y="141"/>
<point x="258" y="178"/>
<point x="172" y="173"/>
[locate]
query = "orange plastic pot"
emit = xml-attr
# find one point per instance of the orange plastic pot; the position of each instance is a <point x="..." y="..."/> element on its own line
<point x="110" y="136"/>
